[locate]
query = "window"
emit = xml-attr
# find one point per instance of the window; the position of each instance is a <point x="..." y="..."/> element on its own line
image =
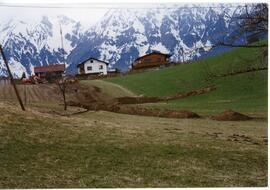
<point x="89" y="68"/>
<point x="147" y="60"/>
<point x="100" y="67"/>
<point x="158" y="59"/>
<point x="91" y="61"/>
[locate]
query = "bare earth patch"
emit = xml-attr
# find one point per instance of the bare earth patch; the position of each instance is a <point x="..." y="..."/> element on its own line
<point x="230" y="115"/>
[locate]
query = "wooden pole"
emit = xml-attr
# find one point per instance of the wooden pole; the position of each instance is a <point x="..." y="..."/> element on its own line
<point x="25" y="97"/>
<point x="11" y="78"/>
<point x="62" y="44"/>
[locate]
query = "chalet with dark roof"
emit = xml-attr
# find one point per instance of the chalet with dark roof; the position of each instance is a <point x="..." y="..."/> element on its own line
<point x="151" y="60"/>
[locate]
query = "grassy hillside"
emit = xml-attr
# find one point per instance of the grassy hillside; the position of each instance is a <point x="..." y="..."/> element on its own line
<point x="104" y="149"/>
<point x="243" y="92"/>
<point x="46" y="147"/>
<point x="108" y="88"/>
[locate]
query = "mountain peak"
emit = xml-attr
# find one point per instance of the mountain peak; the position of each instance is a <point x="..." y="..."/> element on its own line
<point x="123" y="34"/>
<point x="65" y="20"/>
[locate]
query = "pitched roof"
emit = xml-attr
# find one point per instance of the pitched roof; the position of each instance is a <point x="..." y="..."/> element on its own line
<point x="154" y="52"/>
<point x="3" y="77"/>
<point x="50" y="68"/>
<point x="93" y="59"/>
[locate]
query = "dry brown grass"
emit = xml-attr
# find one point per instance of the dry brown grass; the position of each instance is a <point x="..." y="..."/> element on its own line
<point x="40" y="149"/>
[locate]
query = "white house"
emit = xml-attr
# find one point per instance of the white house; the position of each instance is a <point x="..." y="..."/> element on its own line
<point x="93" y="66"/>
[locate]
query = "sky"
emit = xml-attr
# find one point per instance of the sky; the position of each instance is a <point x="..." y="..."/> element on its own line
<point x="86" y="11"/>
<point x="87" y="17"/>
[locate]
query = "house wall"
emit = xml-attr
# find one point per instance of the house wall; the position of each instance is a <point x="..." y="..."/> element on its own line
<point x="50" y="75"/>
<point x="151" y="60"/>
<point x="95" y="67"/>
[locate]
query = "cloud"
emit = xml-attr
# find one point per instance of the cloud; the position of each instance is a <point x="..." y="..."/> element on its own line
<point x="87" y="17"/>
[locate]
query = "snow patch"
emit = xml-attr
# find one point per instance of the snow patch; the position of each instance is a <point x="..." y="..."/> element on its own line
<point x="159" y="47"/>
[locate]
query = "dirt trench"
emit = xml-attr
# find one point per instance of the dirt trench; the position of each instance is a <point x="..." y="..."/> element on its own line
<point x="142" y="100"/>
<point x="92" y="98"/>
<point x="136" y="110"/>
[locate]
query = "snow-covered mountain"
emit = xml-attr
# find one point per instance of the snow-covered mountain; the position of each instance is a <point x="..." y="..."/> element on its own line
<point x="37" y="43"/>
<point x="185" y="31"/>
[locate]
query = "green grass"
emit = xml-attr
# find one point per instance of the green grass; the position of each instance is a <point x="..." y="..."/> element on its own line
<point x="42" y="149"/>
<point x="243" y="92"/>
<point x="102" y="149"/>
<point x="108" y="88"/>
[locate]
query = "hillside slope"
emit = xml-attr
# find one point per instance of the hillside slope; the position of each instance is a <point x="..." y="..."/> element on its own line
<point x="108" y="88"/>
<point x="104" y="149"/>
<point x="236" y="88"/>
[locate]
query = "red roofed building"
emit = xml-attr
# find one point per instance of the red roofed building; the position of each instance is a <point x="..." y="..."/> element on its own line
<point x="50" y="70"/>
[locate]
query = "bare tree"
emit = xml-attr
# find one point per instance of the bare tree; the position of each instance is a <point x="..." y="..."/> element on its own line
<point x="65" y="84"/>
<point x="251" y="25"/>
<point x="62" y="84"/>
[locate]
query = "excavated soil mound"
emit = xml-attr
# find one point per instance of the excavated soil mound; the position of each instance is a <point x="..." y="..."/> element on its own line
<point x="230" y="115"/>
